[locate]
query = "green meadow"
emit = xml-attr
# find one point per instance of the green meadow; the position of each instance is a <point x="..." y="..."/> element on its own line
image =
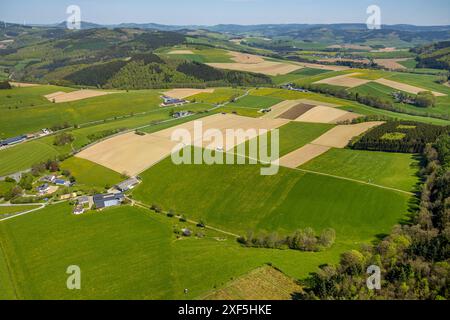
<point x="257" y="102"/>
<point x="129" y="252"/>
<point x="91" y="174"/>
<point x="23" y="156"/>
<point x="15" y="209"/>
<point x="392" y="170"/>
<point x="292" y="136"/>
<point x="238" y="198"/>
<point x="219" y="96"/>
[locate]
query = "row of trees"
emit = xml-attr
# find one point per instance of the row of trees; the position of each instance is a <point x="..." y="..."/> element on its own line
<point x="414" y="258"/>
<point x="423" y="99"/>
<point x="303" y="240"/>
<point x="414" y="137"/>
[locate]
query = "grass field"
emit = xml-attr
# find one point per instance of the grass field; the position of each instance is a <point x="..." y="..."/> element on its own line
<point x="27" y="97"/>
<point x="295" y="135"/>
<point x="5" y="187"/>
<point x="238" y="198"/>
<point x="257" y="102"/>
<point x="31" y="119"/>
<point x="264" y="283"/>
<point x="127" y="252"/>
<point x="199" y="54"/>
<point x="296" y="75"/>
<point x="219" y="96"/>
<point x="91" y="174"/>
<point x="387" y="169"/>
<point x="15" y="209"/>
<point x="23" y="156"/>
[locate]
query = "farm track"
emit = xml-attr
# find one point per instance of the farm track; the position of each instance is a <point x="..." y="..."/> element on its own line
<point x="41" y="206"/>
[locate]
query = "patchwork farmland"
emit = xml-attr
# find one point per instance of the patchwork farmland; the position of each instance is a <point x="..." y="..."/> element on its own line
<point x="90" y="121"/>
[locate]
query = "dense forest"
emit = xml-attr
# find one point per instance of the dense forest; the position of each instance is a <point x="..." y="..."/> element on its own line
<point x="400" y="136"/>
<point x="414" y="258"/>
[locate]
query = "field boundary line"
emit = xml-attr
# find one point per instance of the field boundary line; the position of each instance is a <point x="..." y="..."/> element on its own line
<point x="330" y="175"/>
<point x="144" y="206"/>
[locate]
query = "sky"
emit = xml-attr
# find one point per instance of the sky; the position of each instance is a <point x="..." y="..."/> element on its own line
<point x="212" y="12"/>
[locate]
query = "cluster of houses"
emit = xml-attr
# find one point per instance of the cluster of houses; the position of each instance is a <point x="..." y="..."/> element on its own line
<point x="24" y="137"/>
<point x="102" y="201"/>
<point x="290" y="86"/>
<point x="51" y="181"/>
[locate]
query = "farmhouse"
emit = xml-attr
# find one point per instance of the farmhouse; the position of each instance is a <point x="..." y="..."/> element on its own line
<point x="102" y="201"/>
<point x="78" y="210"/>
<point x="181" y="114"/>
<point x="168" y="101"/>
<point x="61" y="182"/>
<point x="127" y="184"/>
<point x="83" y="200"/>
<point x="50" y="178"/>
<point x="12" y="141"/>
<point x="43" y="189"/>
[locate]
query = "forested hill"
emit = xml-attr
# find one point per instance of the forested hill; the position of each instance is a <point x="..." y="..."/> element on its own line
<point x="436" y="55"/>
<point x="113" y="58"/>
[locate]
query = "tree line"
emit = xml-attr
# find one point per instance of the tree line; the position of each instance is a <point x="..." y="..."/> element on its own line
<point x="302" y="240"/>
<point x="424" y="99"/>
<point x="413" y="259"/>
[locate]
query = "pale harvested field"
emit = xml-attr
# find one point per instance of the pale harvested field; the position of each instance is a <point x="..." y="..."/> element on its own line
<point x="303" y="155"/>
<point x="405" y="87"/>
<point x="391" y="63"/>
<point x="59" y="97"/>
<point x="319" y="103"/>
<point x="270" y="68"/>
<point x="346" y="80"/>
<point x="129" y="153"/>
<point x="334" y="60"/>
<point x="23" y="85"/>
<point x="322" y="67"/>
<point x="262" y="284"/>
<point x="322" y="114"/>
<point x="246" y="58"/>
<point x="390" y="49"/>
<point x="280" y="108"/>
<point x="340" y="136"/>
<point x="184" y="93"/>
<point x="181" y="52"/>
<point x="132" y="154"/>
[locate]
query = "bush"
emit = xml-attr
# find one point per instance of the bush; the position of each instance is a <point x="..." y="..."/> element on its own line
<point x="63" y="139"/>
